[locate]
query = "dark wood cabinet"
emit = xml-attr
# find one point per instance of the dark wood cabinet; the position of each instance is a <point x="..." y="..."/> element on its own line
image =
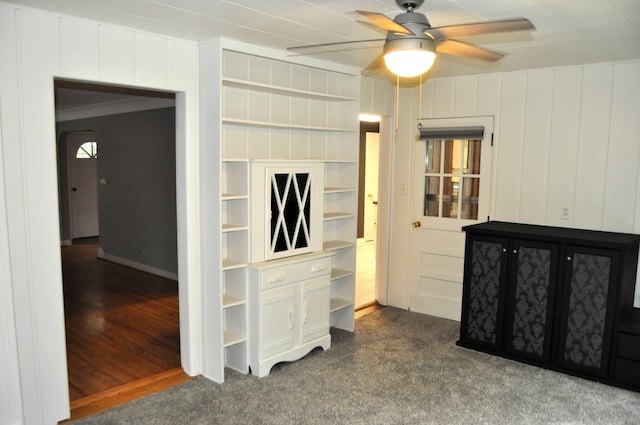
<point x="554" y="297"/>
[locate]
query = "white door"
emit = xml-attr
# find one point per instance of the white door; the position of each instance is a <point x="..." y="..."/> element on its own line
<point x="371" y="186"/>
<point x="451" y="189"/>
<point x="82" y="166"/>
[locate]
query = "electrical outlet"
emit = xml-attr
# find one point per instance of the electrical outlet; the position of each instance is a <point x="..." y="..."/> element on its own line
<point x="565" y="213"/>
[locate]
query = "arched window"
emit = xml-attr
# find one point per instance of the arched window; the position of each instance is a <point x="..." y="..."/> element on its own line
<point x="87" y="150"/>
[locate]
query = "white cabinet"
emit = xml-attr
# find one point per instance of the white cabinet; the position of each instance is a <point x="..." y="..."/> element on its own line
<point x="288" y="309"/>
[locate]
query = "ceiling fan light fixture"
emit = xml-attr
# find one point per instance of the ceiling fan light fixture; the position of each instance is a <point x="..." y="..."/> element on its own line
<point x="409" y="57"/>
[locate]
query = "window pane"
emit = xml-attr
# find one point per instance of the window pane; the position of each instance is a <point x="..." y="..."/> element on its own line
<point x="450" y="191"/>
<point x="470" y="192"/>
<point x="472" y="156"/>
<point x="87" y="150"/>
<point x="452" y="157"/>
<point x="431" y="198"/>
<point x="432" y="159"/>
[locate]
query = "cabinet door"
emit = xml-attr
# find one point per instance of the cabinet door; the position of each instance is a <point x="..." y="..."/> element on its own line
<point x="587" y="309"/>
<point x="277" y="318"/>
<point x="315" y="321"/>
<point x="530" y="299"/>
<point x="483" y="291"/>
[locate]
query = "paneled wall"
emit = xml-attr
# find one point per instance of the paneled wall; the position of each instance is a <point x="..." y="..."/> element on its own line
<point x="36" y="47"/>
<point x="10" y="399"/>
<point x="566" y="139"/>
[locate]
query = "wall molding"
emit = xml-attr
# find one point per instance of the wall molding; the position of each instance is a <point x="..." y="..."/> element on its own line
<point x="112" y="108"/>
<point x="135" y="265"/>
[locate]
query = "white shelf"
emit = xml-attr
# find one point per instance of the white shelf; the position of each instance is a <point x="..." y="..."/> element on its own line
<point x="328" y="190"/>
<point x="337" y="215"/>
<point x="233" y="196"/>
<point x="231" y="301"/>
<point x="228" y="264"/>
<point x="340" y="273"/>
<point x="335" y="245"/>
<point x="233" y="227"/>
<point x="233" y="82"/>
<point x="338" y="304"/>
<point x="262" y="124"/>
<point x="232" y="338"/>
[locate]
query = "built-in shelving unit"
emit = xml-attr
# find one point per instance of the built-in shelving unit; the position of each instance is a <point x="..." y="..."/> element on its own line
<point x="234" y="181"/>
<point x="267" y="106"/>
<point x="340" y="227"/>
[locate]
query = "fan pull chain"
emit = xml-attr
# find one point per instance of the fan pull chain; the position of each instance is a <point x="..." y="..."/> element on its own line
<point x="397" y="101"/>
<point x="420" y="100"/>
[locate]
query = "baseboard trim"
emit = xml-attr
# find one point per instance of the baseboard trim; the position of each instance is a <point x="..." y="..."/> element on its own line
<point x="135" y="265"/>
<point x="102" y="401"/>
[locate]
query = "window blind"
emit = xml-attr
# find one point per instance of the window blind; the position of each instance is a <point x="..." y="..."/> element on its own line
<point x="449" y="133"/>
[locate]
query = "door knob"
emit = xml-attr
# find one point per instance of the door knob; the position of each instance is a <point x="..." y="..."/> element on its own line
<point x="74" y="189"/>
<point x="416" y="224"/>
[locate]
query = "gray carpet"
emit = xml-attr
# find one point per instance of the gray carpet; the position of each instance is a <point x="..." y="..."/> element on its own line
<point x="397" y="368"/>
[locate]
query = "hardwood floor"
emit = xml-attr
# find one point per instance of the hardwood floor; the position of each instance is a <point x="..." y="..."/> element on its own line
<point x="122" y="326"/>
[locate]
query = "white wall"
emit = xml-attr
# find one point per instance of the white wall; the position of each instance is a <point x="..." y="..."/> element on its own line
<point x="36" y="47"/>
<point x="566" y="138"/>
<point x="10" y="399"/>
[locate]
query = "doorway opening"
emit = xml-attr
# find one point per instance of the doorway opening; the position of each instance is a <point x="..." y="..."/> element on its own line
<point x="367" y="214"/>
<point x="118" y="221"/>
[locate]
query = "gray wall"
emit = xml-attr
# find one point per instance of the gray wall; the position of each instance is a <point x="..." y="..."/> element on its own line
<point x="137" y="208"/>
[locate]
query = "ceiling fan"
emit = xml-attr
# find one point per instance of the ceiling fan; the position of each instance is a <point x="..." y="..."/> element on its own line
<point x="411" y="44"/>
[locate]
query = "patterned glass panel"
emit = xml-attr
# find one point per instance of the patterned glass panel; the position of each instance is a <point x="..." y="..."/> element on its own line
<point x="290" y="211"/>
<point x="531" y="296"/>
<point x="484" y="287"/>
<point x="587" y="309"/>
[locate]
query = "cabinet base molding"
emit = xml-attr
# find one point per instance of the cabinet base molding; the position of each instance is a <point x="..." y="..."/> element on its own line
<point x="263" y="367"/>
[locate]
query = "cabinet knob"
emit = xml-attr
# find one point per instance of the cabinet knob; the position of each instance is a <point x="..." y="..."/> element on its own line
<point x="504" y="249"/>
<point x="515" y="251"/>
<point x="568" y="258"/>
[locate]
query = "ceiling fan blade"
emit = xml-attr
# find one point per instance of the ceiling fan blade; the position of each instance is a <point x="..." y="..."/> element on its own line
<point x="339" y="43"/>
<point x="384" y="22"/>
<point x="480" y="28"/>
<point x="460" y="48"/>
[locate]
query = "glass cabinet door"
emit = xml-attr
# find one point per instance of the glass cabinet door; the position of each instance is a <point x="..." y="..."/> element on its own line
<point x="586" y="321"/>
<point x="530" y="299"/>
<point x="483" y="292"/>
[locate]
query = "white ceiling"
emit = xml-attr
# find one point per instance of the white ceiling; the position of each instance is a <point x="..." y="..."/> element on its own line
<point x="569" y="32"/>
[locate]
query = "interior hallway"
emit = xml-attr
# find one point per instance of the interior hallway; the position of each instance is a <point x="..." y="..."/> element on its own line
<point x="365" y="273"/>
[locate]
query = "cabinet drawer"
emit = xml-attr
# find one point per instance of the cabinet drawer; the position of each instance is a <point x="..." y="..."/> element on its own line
<point x="627" y="372"/>
<point x="279" y="276"/>
<point x="629" y="346"/>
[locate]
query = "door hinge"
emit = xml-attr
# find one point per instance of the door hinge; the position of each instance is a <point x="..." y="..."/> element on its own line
<point x="491" y="139"/>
